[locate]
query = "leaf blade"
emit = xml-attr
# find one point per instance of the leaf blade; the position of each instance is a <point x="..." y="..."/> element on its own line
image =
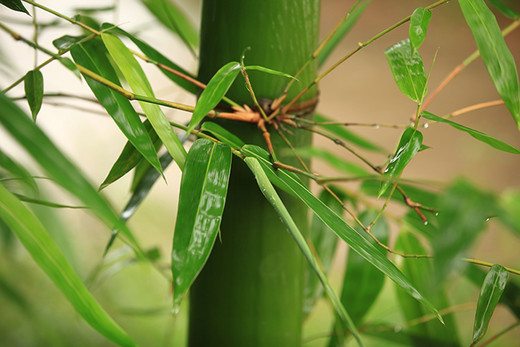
<point x="418" y="25"/>
<point x="15" y="5"/>
<point x="33" y="86"/>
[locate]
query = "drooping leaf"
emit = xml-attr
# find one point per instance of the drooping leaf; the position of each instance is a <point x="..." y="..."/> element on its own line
<point x="201" y="203"/>
<point x="419" y="271"/>
<point x="174" y="19"/>
<point x="153" y="54"/>
<point x="510" y="210"/>
<point x="408" y="147"/>
<point x="408" y="70"/>
<point x="217" y="87"/>
<point x="492" y="289"/>
<point x="495" y="54"/>
<point x="344" y="134"/>
<point x="48" y="256"/>
<point x="71" y="66"/>
<point x="362" y="282"/>
<point x="137" y="80"/>
<point x="332" y="159"/>
<point x="419" y="195"/>
<point x="354" y="239"/>
<point x="342" y="31"/>
<point x="506" y="11"/>
<point x="418" y="25"/>
<point x="495" y="143"/>
<point x="33" y="86"/>
<point x="18" y="171"/>
<point x="58" y="167"/>
<point x="92" y="55"/>
<point x="463" y="211"/>
<point x="222" y="134"/>
<point x="128" y="159"/>
<point x="324" y="243"/>
<point x="67" y="41"/>
<point x="15" y="5"/>
<point x="269" y="71"/>
<point x="272" y="197"/>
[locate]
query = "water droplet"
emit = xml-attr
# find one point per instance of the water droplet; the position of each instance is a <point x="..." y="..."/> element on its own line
<point x="397" y="329"/>
<point x="426" y="125"/>
<point x="425" y="222"/>
<point x="376" y="126"/>
<point x="487" y="219"/>
<point x="176" y="309"/>
<point x="436" y="214"/>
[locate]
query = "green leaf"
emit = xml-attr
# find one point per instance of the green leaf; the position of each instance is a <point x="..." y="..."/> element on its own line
<point x="422" y="196"/>
<point x="15" y="5"/>
<point x="201" y="203"/>
<point x="418" y="25"/>
<point x="362" y="282"/>
<point x="18" y="171"/>
<point x="174" y="19"/>
<point x="409" y="145"/>
<point x="506" y="11"/>
<point x="129" y="158"/>
<point x="58" y="167"/>
<point x="139" y="83"/>
<point x="269" y="71"/>
<point x="216" y="89"/>
<point x="47" y="255"/>
<point x="92" y="55"/>
<point x="272" y="197"/>
<point x="463" y="211"/>
<point x="153" y="54"/>
<point x="70" y="65"/>
<point x="342" y="31"/>
<point x="408" y="70"/>
<point x="33" y="85"/>
<point x="357" y="241"/>
<point x="495" y="143"/>
<point x="65" y="42"/>
<point x="492" y="289"/>
<point x="510" y="210"/>
<point x="332" y="160"/>
<point x="493" y="49"/>
<point x="222" y="134"/>
<point x="324" y="243"/>
<point x="344" y="134"/>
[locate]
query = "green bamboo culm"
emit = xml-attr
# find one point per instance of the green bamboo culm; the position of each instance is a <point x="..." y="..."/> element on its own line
<point x="250" y="292"/>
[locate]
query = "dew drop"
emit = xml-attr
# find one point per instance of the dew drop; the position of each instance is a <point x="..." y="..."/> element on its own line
<point x="376" y="126"/>
<point x="436" y="214"/>
<point x="397" y="329"/>
<point x="175" y="310"/>
<point x="425" y="222"/>
<point x="426" y="125"/>
<point x="487" y="219"/>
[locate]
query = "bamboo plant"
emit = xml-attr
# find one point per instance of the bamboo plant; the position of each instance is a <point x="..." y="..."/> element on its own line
<point x="252" y="245"/>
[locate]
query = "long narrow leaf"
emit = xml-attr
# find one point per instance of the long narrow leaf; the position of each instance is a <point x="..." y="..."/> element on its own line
<point x="92" y="55"/>
<point x="216" y="89"/>
<point x="272" y="197"/>
<point x="495" y="143"/>
<point x="137" y="80"/>
<point x="331" y="159"/>
<point x="222" y="134"/>
<point x="493" y="49"/>
<point x="510" y="210"/>
<point x="354" y="239"/>
<point x="409" y="145"/>
<point x="408" y="70"/>
<point x="15" y="5"/>
<point x="33" y="86"/>
<point x="201" y="203"/>
<point x="47" y="255"/>
<point x="17" y="170"/>
<point x="492" y="289"/>
<point x="59" y="168"/>
<point x="506" y="11"/>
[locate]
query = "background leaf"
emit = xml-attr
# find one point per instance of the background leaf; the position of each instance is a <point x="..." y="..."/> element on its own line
<point x="408" y="70"/>
<point x="331" y="159"/>
<point x="201" y="203"/>
<point x="15" y="5"/>
<point x="222" y="134"/>
<point x="418" y="25"/>
<point x="493" y="49"/>
<point x="506" y="11"/>
<point x="17" y="170"/>
<point x="33" y="86"/>
<point x="492" y="289"/>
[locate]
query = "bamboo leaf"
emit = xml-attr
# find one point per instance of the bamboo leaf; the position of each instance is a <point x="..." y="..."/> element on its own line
<point x="495" y="54"/>
<point x="216" y="89"/>
<point x="67" y="41"/>
<point x="139" y="83"/>
<point x="408" y="70"/>
<point x="70" y="65"/>
<point x="506" y="11"/>
<point x="18" y="171"/>
<point x="342" y="31"/>
<point x="409" y="145"/>
<point x="324" y="243"/>
<point x="510" y="210"/>
<point x="332" y="160"/>
<point x="354" y="239"/>
<point x="153" y="54"/>
<point x="92" y="55"/>
<point x="418" y="25"/>
<point x="492" y="289"/>
<point x="495" y="143"/>
<point x="33" y="85"/>
<point x="272" y="197"/>
<point x="344" y="134"/>
<point x="269" y="71"/>
<point x="59" y="168"/>
<point x="423" y="196"/>
<point x="15" y="5"/>
<point x="222" y="134"/>
<point x="47" y="255"/>
<point x="201" y="203"/>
